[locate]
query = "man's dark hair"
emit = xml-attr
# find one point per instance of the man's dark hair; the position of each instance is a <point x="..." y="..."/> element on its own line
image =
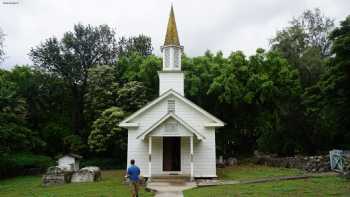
<point x="132" y="162"/>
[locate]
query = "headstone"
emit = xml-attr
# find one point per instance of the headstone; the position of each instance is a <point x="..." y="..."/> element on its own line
<point x="231" y="161"/>
<point x="87" y="174"/>
<point x="56" y="176"/>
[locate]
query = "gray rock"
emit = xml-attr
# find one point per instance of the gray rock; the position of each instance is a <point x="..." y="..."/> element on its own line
<point x="232" y="161"/>
<point x="87" y="174"/>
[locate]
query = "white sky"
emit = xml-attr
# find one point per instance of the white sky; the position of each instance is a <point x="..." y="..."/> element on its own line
<point x="226" y="25"/>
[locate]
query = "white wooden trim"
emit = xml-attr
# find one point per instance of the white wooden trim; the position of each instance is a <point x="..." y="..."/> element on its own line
<point x="212" y="124"/>
<point x="150" y="157"/>
<point x="191" y="157"/>
<point x="163" y="119"/>
<point x="129" y="124"/>
<point x="164" y="95"/>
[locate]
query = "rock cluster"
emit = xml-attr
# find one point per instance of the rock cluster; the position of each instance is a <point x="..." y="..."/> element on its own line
<point x="56" y="175"/>
<point x="221" y="162"/>
<point x="347" y="161"/>
<point x="319" y="163"/>
<point x="87" y="174"/>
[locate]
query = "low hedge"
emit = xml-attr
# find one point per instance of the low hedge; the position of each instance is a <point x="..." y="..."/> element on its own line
<point x="23" y="164"/>
<point x="103" y="163"/>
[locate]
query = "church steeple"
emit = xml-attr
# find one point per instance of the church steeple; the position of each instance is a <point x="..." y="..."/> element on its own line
<point x="171" y="76"/>
<point x="171" y="37"/>
<point x="172" y="50"/>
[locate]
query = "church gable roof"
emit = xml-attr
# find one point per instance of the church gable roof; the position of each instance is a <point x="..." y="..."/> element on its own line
<point x="164" y="119"/>
<point x="214" y="122"/>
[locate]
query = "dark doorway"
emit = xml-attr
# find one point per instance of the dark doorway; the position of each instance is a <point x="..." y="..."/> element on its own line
<point x="171" y="154"/>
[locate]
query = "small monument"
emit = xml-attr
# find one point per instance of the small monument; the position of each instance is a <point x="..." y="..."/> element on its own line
<point x="69" y="162"/>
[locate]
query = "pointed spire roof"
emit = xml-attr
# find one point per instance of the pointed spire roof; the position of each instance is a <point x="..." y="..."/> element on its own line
<point x="171" y="37"/>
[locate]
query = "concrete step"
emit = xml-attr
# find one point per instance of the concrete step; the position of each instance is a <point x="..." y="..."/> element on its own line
<point x="171" y="178"/>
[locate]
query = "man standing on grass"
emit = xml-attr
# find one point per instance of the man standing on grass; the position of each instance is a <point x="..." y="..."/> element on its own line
<point x="134" y="178"/>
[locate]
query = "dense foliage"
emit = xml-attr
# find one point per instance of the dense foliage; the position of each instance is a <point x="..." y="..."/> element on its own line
<point x="291" y="99"/>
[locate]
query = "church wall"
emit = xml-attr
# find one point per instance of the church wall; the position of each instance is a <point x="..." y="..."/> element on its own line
<point x="138" y="150"/>
<point x="171" y="80"/>
<point x="204" y="150"/>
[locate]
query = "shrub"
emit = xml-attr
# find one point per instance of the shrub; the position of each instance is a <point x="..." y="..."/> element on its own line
<point x="23" y="164"/>
<point x="103" y="163"/>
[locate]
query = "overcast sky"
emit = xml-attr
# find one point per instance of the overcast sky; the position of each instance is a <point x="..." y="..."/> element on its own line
<point x="226" y="25"/>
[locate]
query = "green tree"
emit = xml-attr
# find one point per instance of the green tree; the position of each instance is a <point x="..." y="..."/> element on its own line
<point x="139" y="44"/>
<point x="136" y="67"/>
<point x="106" y="135"/>
<point x="47" y="105"/>
<point x="328" y="103"/>
<point x="305" y="44"/>
<point x="102" y="88"/>
<point x="255" y="94"/>
<point x="72" y="56"/>
<point x="132" y="96"/>
<point x="199" y="75"/>
<point x="14" y="135"/>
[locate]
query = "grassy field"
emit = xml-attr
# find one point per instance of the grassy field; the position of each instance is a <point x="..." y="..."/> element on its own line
<point x="247" y="172"/>
<point x="111" y="185"/>
<point x="323" y="186"/>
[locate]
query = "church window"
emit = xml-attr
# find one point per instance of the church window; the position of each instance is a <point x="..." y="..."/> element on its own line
<point x="167" y="57"/>
<point x="176" y="58"/>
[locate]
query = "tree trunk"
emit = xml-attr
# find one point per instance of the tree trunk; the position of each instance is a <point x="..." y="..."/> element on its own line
<point x="77" y="110"/>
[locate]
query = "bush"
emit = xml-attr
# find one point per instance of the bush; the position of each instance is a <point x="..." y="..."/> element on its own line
<point x="23" y="164"/>
<point x="103" y="163"/>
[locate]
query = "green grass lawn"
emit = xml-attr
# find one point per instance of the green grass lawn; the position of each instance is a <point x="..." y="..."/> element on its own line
<point x="322" y="186"/>
<point x="250" y="171"/>
<point x="111" y="185"/>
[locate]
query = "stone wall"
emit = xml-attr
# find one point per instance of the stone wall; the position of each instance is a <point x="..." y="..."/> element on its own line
<point x="318" y="163"/>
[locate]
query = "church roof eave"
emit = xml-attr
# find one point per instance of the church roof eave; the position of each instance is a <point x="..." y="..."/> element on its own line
<point x="218" y="122"/>
<point x="165" y="118"/>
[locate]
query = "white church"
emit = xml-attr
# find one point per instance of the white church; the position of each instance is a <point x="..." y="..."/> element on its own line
<point x="171" y="135"/>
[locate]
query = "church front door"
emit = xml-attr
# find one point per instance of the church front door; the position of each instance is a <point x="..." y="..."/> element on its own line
<point x="171" y="154"/>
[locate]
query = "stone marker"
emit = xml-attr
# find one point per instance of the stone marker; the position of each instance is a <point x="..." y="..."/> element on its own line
<point x="87" y="174"/>
<point x="56" y="176"/>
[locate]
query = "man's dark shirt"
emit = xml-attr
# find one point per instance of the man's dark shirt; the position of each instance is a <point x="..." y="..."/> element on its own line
<point x="134" y="173"/>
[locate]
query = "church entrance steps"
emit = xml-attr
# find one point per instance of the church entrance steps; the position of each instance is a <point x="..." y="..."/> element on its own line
<point x="171" y="179"/>
<point x="169" y="189"/>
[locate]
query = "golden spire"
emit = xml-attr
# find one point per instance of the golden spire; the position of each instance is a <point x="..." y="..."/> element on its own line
<point x="171" y="37"/>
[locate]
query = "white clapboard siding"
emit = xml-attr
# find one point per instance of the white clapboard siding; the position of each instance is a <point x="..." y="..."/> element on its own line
<point x="138" y="150"/>
<point x="171" y="80"/>
<point x="205" y="156"/>
<point x="185" y="155"/>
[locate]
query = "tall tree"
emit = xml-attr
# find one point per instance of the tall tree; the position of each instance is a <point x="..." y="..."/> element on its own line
<point x="138" y="44"/>
<point x="106" y="134"/>
<point x="255" y="95"/>
<point x="132" y="96"/>
<point x="328" y="102"/>
<point x="14" y="133"/>
<point x="72" y="56"/>
<point x="305" y="44"/>
<point x="102" y="88"/>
